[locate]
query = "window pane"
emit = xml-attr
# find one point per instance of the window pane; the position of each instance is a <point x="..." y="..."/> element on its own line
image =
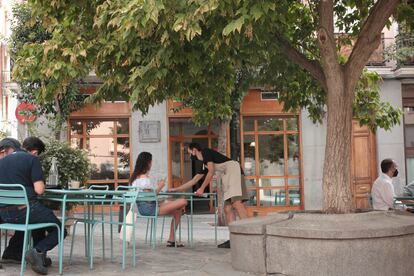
<point x="76" y="143"/>
<point x="76" y="127"/>
<point x="189" y="128"/>
<point x="293" y="154"/>
<point x="122" y="126"/>
<point x="271" y="160"/>
<point x="294" y="197"/>
<point x="409" y="136"/>
<point x="252" y="198"/>
<point x="267" y="182"/>
<point x="175" y="127"/>
<point x="250" y="183"/>
<point x="410" y="170"/>
<point x="176" y="160"/>
<point x="274" y="197"/>
<point x="249" y="155"/>
<point x="292" y="123"/>
<point x="248" y="124"/>
<point x="269" y="124"/>
<point x="95" y="127"/>
<point x="123" y="158"/>
<point x="293" y="181"/>
<point x="101" y="154"/>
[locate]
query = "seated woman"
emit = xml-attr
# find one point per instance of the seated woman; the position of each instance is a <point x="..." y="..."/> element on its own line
<point x="141" y="180"/>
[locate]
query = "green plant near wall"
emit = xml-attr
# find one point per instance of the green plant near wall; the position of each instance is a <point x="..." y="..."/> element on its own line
<point x="73" y="164"/>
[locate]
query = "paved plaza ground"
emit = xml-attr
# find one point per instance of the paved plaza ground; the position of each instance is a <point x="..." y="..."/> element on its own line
<point x="203" y="259"/>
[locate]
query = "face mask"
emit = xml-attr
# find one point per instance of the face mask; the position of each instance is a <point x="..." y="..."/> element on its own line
<point x="193" y="158"/>
<point x="395" y="173"/>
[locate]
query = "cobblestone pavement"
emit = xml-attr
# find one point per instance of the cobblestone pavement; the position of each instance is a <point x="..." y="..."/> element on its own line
<point x="203" y="259"/>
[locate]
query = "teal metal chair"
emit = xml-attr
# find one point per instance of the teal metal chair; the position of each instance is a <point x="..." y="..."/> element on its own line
<point x="129" y="197"/>
<point x="15" y="194"/>
<point x="87" y="219"/>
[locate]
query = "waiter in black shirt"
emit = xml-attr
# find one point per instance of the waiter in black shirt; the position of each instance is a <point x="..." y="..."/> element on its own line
<point x="233" y="191"/>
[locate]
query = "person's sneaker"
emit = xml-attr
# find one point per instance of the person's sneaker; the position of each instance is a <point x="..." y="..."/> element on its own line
<point x="35" y="259"/>
<point x="225" y="244"/>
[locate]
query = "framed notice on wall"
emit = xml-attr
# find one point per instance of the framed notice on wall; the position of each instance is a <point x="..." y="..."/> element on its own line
<point x="149" y="131"/>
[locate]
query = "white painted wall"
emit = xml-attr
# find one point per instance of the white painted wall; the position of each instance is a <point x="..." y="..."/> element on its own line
<point x="158" y="150"/>
<point x="313" y="152"/>
<point x="390" y="144"/>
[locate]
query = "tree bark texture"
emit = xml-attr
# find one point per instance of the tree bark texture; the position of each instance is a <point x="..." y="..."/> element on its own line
<point x="222" y="148"/>
<point x="337" y="164"/>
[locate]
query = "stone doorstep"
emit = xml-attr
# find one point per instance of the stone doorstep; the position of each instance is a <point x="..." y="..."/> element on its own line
<point x="350" y="226"/>
<point x="256" y="225"/>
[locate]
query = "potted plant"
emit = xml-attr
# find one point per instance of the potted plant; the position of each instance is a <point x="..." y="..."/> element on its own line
<point x="72" y="164"/>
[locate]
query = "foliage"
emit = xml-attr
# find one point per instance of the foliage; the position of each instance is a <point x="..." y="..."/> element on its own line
<point x="368" y="107"/>
<point x="73" y="164"/>
<point x="194" y="50"/>
<point x="27" y="30"/>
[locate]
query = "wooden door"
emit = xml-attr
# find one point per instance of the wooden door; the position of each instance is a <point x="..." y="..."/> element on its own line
<point x="364" y="164"/>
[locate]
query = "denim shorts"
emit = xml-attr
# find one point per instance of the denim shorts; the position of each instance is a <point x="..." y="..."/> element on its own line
<point x="146" y="208"/>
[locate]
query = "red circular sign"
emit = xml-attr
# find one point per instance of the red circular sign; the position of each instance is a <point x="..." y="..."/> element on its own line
<point x="25" y="113"/>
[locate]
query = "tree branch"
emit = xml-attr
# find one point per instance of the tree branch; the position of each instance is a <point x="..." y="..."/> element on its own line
<point x="312" y="66"/>
<point x="326" y="41"/>
<point x="368" y="39"/>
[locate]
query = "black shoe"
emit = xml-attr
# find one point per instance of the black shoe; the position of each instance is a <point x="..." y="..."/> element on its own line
<point x="18" y="260"/>
<point x="47" y="261"/>
<point x="35" y="259"/>
<point x="225" y="244"/>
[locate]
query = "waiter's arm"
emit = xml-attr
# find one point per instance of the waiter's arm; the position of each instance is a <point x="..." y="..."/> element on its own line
<point x="207" y="180"/>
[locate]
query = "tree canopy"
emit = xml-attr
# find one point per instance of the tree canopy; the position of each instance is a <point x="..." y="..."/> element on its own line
<point x="196" y="51"/>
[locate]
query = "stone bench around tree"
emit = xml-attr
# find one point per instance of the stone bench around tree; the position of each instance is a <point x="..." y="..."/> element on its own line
<point x="372" y="243"/>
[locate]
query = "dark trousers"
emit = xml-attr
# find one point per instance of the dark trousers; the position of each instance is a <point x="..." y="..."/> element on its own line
<point x="38" y="214"/>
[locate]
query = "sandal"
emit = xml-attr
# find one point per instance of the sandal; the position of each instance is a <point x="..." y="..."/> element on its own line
<point x="173" y="244"/>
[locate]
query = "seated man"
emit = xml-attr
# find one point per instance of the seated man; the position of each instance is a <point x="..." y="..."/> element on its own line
<point x="13" y="252"/>
<point x="20" y="167"/>
<point x="383" y="190"/>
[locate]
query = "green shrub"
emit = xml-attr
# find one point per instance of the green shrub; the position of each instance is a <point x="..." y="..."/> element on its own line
<point x="73" y="164"/>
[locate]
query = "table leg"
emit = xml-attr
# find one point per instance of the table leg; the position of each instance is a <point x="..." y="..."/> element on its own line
<point x="62" y="233"/>
<point x="191" y="219"/>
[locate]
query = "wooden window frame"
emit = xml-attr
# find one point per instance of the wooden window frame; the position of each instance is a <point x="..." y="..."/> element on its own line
<point x="286" y="176"/>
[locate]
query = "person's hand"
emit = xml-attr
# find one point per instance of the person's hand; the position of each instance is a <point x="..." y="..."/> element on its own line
<point x="161" y="184"/>
<point x="199" y="192"/>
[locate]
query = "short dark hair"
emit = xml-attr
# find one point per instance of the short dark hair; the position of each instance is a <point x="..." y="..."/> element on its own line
<point x="9" y="143"/>
<point x="386" y="165"/>
<point x="194" y="146"/>
<point x="34" y="143"/>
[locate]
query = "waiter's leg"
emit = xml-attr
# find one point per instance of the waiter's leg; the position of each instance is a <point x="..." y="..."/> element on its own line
<point x="240" y="209"/>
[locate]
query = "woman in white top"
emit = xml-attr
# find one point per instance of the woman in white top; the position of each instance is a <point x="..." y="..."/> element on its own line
<point x="141" y="180"/>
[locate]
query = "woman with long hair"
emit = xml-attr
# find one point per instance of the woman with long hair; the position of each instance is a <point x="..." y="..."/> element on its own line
<point x="141" y="180"/>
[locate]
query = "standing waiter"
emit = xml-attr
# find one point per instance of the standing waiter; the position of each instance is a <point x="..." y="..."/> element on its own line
<point x="234" y="192"/>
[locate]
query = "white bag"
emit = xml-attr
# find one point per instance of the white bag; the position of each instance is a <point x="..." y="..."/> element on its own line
<point x="129" y="229"/>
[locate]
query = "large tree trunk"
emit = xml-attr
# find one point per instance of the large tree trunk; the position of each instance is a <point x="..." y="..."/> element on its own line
<point x="222" y="148"/>
<point x="337" y="165"/>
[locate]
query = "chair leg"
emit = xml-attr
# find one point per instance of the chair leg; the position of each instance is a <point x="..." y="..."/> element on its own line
<point x="91" y="246"/>
<point x="72" y="242"/>
<point x="162" y="228"/>
<point x="133" y="242"/>
<point x="25" y="245"/>
<point x="112" y="234"/>
<point x="60" y="257"/>
<point x="146" y="232"/>
<point x="154" y="239"/>
<point x="103" y="235"/>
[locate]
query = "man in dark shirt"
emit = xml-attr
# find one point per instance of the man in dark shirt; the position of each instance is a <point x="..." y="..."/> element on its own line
<point x="233" y="189"/>
<point x="20" y="167"/>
